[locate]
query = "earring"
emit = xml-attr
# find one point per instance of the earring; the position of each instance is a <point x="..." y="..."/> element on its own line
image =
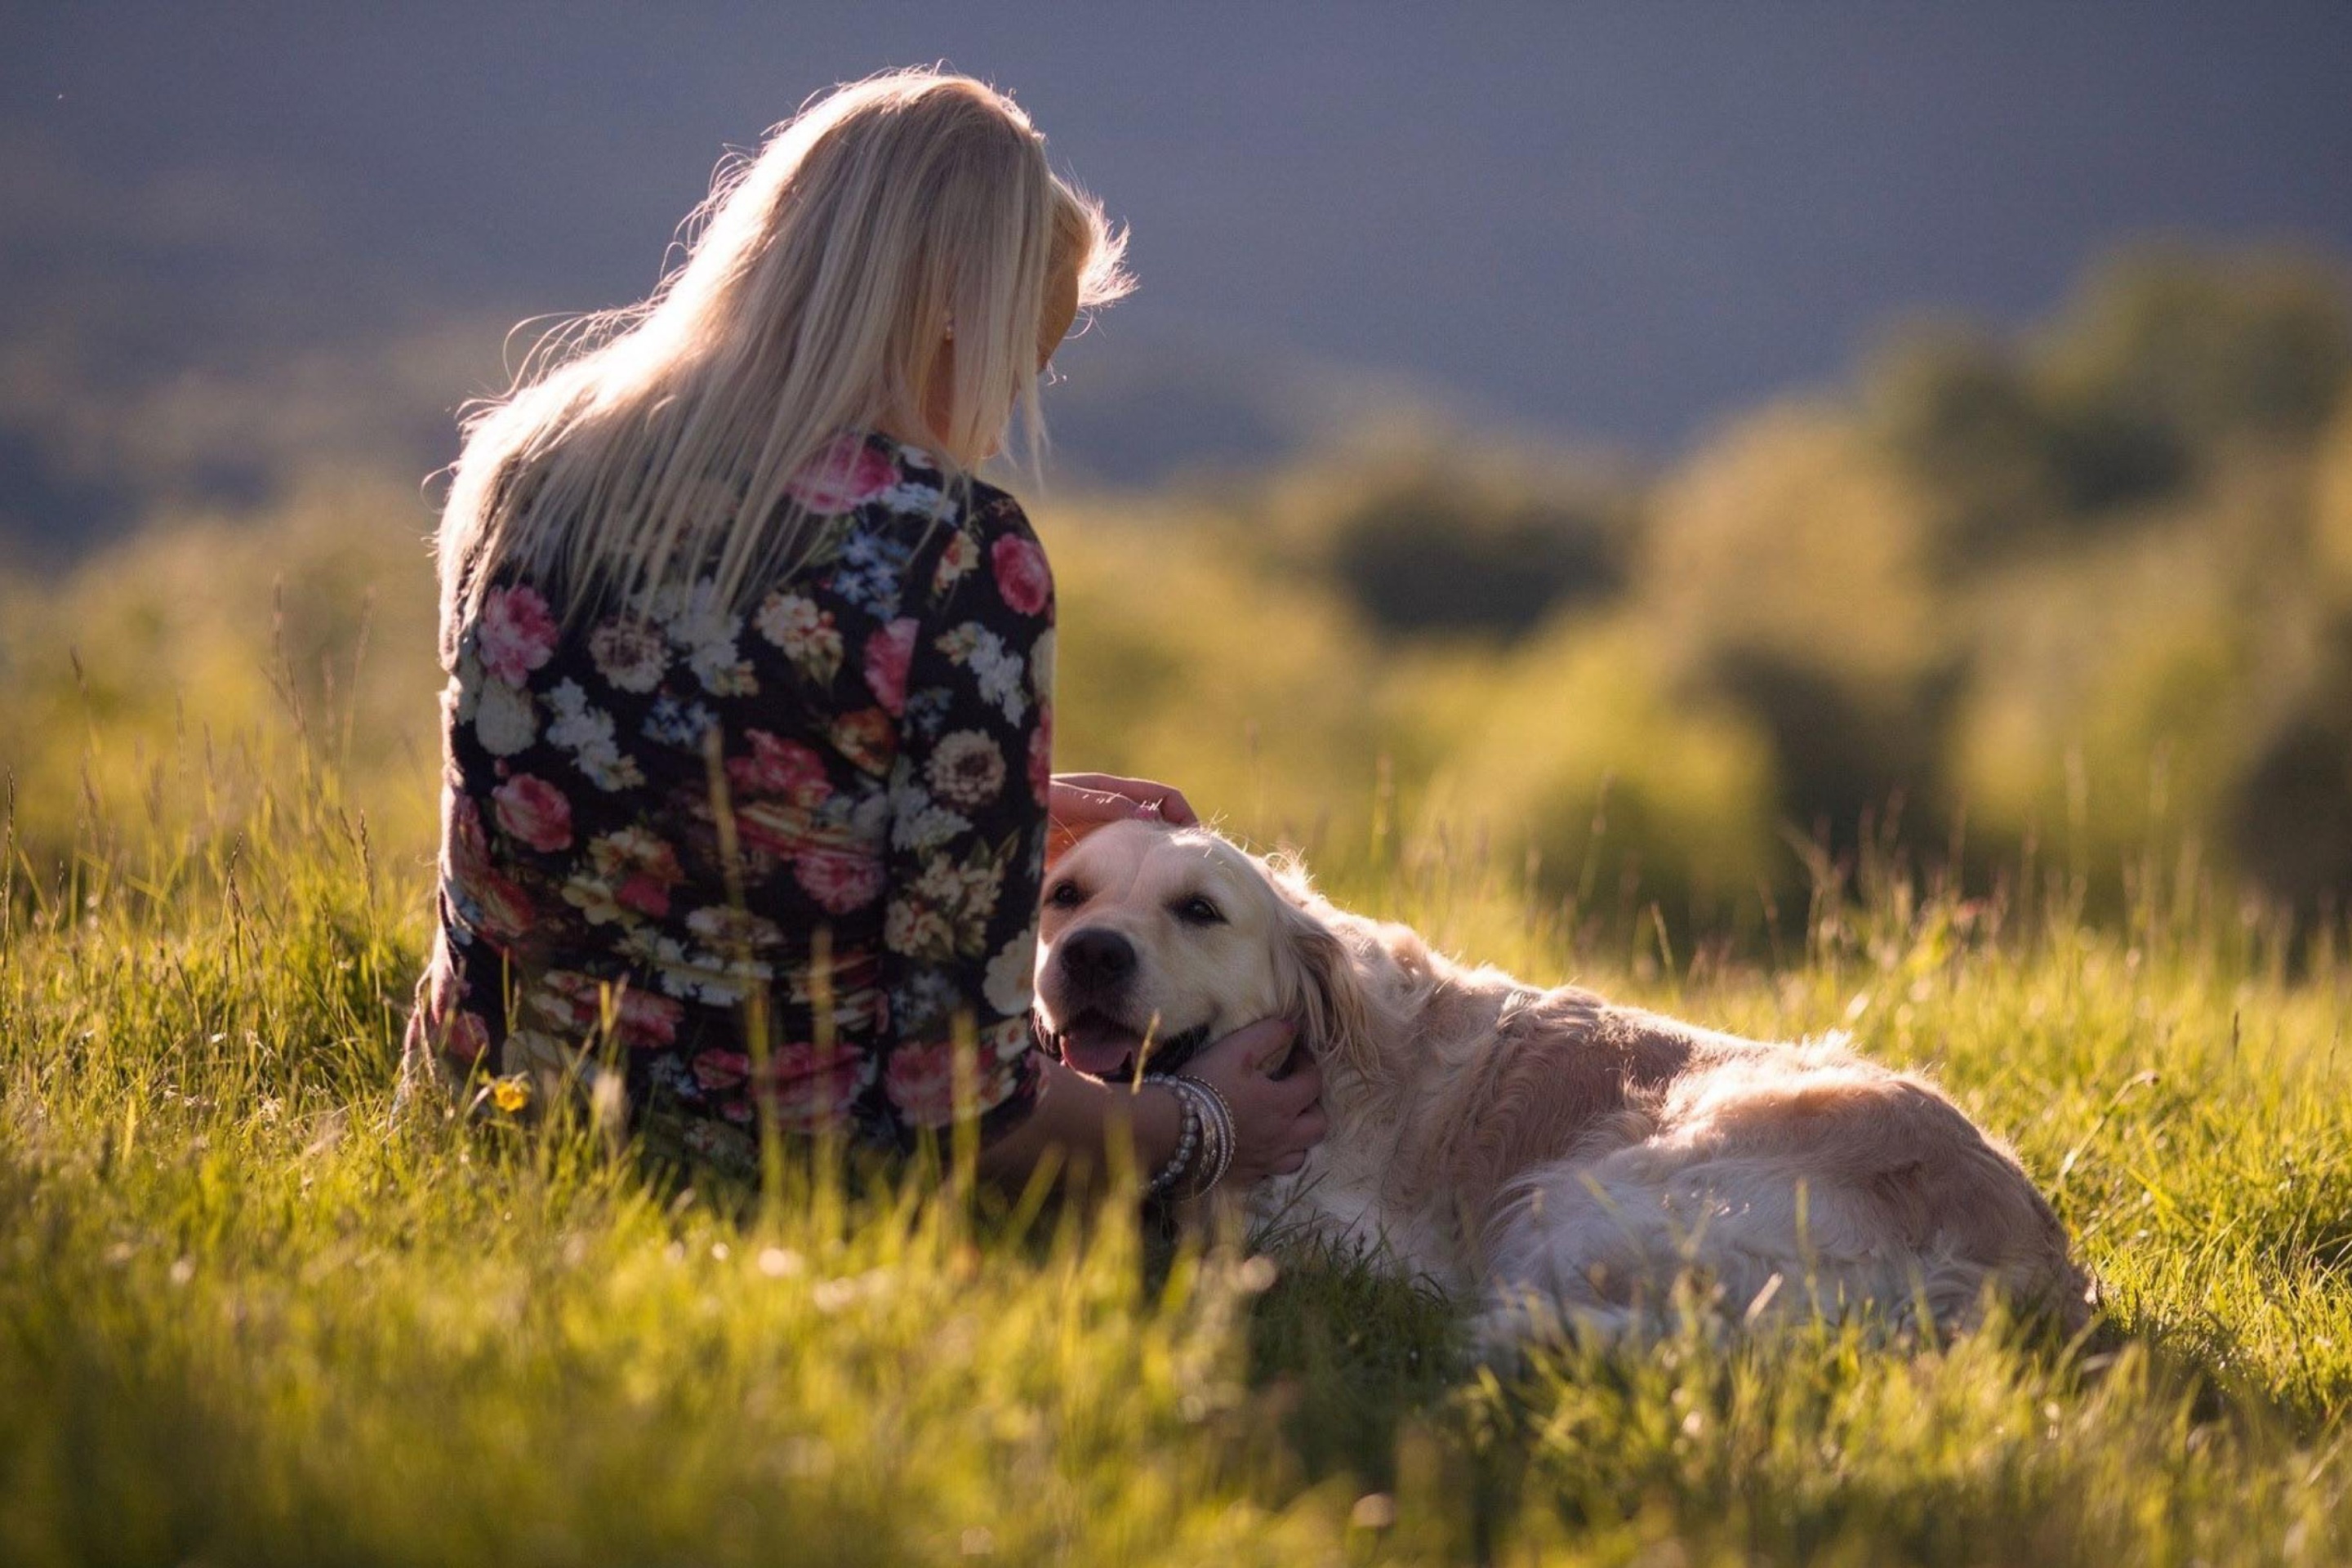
<point x="950" y="332"/>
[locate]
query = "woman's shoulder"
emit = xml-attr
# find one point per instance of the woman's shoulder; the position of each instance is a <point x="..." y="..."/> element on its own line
<point x="911" y="480"/>
<point x="932" y="520"/>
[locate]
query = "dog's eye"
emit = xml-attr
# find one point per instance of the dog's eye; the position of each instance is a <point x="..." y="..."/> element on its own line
<point x="1065" y="896"/>
<point x="1200" y="911"/>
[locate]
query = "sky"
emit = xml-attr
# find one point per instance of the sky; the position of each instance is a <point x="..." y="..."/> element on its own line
<point x="1613" y="224"/>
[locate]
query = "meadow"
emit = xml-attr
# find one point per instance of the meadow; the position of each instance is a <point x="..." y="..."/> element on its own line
<point x="251" y="1310"/>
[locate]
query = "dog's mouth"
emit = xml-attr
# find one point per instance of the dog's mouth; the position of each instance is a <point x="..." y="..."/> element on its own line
<point x="1098" y="1044"/>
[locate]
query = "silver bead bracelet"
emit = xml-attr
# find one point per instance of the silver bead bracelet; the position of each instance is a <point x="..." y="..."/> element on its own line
<point x="1204" y="1152"/>
<point x="1188" y="1141"/>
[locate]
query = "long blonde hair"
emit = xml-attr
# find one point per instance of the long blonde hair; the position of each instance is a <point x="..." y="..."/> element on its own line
<point x="823" y="274"/>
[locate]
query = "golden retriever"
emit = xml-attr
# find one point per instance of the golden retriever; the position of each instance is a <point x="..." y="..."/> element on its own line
<point x="1561" y="1157"/>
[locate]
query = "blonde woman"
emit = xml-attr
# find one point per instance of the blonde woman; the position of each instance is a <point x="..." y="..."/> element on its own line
<point x="747" y="736"/>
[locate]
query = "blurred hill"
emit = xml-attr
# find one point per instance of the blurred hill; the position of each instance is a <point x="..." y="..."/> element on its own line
<point x="2073" y="605"/>
<point x="239" y="237"/>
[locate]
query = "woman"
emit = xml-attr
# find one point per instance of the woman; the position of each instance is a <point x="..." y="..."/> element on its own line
<point x="746" y="795"/>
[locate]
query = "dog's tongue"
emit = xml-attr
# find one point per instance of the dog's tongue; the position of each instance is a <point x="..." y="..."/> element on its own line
<point x="1097" y="1046"/>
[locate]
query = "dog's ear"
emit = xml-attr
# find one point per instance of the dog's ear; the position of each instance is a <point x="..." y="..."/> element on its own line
<point x="1325" y="978"/>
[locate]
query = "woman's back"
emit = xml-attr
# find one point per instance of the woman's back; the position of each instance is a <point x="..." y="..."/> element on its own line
<point x="796" y="847"/>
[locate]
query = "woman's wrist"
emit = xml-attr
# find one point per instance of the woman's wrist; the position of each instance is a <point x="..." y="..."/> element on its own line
<point x="1156" y="1123"/>
<point x="1088" y="1121"/>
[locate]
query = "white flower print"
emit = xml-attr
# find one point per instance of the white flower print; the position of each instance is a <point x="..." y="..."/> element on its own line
<point x="707" y="978"/>
<point x="967" y="769"/>
<point x="912" y="496"/>
<point x="917" y="931"/>
<point x="805" y="633"/>
<point x="960" y="554"/>
<point x="505" y="718"/>
<point x="958" y="643"/>
<point x="927" y="829"/>
<point x="999" y="669"/>
<point x="693" y="616"/>
<point x="721" y="673"/>
<point x="587" y="733"/>
<point x="917" y="822"/>
<point x="699" y="624"/>
<point x="945" y="912"/>
<point x="730" y="928"/>
<point x="629" y="653"/>
<point x="466" y="686"/>
<point x="647" y="946"/>
<point x="1011" y="980"/>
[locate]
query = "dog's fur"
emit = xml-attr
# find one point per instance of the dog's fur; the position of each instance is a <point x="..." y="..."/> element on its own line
<point x="1558" y="1154"/>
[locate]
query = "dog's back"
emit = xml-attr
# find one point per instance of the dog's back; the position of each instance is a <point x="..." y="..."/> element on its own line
<point x="1554" y="1149"/>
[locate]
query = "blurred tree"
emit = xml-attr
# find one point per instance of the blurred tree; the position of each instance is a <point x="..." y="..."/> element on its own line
<point x="2196" y="351"/>
<point x="1963" y="417"/>
<point x="2164" y="365"/>
<point x="1445" y="539"/>
<point x="1788" y="570"/>
<point x="2290" y="821"/>
<point x="2292" y="825"/>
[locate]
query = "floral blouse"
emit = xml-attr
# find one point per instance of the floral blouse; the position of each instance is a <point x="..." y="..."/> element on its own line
<point x="793" y="853"/>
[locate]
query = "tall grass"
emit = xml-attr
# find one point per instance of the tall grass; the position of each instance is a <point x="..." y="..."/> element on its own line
<point x="250" y="1311"/>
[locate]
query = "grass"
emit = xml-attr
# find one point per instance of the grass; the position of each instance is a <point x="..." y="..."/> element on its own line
<point x="251" y="1313"/>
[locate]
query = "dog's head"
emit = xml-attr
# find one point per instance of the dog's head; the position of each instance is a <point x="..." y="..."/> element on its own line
<point x="1177" y="936"/>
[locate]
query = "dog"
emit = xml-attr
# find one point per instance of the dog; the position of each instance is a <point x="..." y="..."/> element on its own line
<point x="1565" y="1160"/>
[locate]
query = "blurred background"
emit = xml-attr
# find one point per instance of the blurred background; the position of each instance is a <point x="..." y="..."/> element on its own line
<point x="1651" y="450"/>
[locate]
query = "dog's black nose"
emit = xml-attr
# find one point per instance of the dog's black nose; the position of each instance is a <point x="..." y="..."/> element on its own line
<point x="1097" y="959"/>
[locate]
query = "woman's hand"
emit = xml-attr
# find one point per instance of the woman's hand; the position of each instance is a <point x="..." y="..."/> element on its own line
<point x="1276" y="1119"/>
<point x="1084" y="802"/>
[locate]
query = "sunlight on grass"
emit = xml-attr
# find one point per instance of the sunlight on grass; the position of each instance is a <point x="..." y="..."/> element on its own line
<point x="249" y="1311"/>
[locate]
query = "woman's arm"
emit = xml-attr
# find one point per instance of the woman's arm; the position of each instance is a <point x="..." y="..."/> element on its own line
<point x="969" y="795"/>
<point x="1079" y="1120"/>
<point x="1084" y="802"/>
<point x="1089" y="800"/>
<point x="1276" y="1119"/>
<point x="965" y="672"/>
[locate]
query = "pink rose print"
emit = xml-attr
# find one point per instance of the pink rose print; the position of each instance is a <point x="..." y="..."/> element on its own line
<point x="534" y="811"/>
<point x="719" y="1072"/>
<point x="502" y="911"/>
<point x="811" y="1088"/>
<point x="647" y="1021"/>
<point x="780" y="767"/>
<point x="840" y="880"/>
<point x="848" y="473"/>
<point x="516" y="634"/>
<point x="640" y="1020"/>
<point x="921" y="1081"/>
<point x="1041" y="756"/>
<point x="638" y="869"/>
<point x="1022" y="575"/>
<point x="462" y="1037"/>
<point x="887" y="654"/>
<point x="467" y="1039"/>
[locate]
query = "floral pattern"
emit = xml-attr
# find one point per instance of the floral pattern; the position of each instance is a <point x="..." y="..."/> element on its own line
<point x="829" y="800"/>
